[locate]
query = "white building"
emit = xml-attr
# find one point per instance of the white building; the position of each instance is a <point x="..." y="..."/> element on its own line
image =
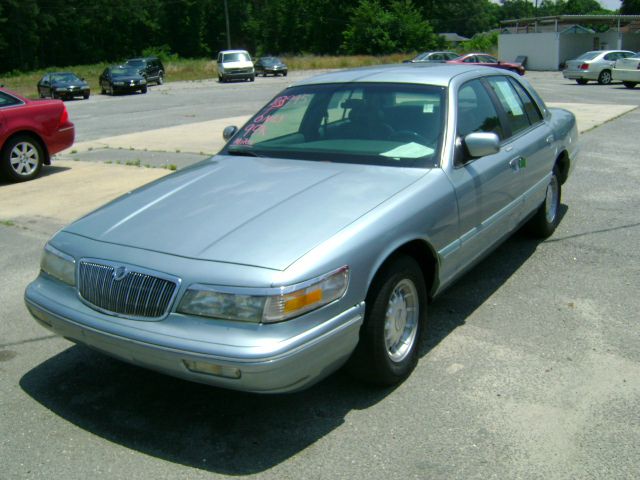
<point x="548" y="42"/>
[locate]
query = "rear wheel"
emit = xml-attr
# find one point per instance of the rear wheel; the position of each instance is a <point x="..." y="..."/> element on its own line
<point x="604" y="78"/>
<point x="395" y="315"/>
<point x="629" y="84"/>
<point x="21" y="158"/>
<point x="160" y="78"/>
<point x="581" y="81"/>
<point x="546" y="219"/>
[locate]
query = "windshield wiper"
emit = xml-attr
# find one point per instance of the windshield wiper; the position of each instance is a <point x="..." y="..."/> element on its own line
<point x="242" y="152"/>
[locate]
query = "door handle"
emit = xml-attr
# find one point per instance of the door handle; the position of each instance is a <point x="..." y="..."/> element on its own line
<point x="517" y="163"/>
<point x="550" y="138"/>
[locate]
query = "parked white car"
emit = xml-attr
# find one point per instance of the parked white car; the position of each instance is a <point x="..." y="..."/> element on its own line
<point x="594" y="66"/>
<point x="235" y="64"/>
<point x="627" y="71"/>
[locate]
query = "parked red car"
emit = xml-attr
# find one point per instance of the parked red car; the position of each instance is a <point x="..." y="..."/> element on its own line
<point x="488" y="61"/>
<point x="31" y="131"/>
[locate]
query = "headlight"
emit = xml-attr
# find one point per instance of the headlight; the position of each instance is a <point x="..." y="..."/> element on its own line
<point x="269" y="305"/>
<point x="58" y="265"/>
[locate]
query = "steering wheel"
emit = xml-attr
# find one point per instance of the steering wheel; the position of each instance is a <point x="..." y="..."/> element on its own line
<point x="408" y="136"/>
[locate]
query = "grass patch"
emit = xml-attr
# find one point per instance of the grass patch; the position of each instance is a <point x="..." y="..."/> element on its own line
<point x="193" y="69"/>
<point x="172" y="166"/>
<point x="7" y="223"/>
<point x="133" y="163"/>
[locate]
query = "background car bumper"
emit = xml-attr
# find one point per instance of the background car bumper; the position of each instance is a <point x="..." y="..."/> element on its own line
<point x="623" y="75"/>
<point x="580" y="74"/>
<point x="277" y="364"/>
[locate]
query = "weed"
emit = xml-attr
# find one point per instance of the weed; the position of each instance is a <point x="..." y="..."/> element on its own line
<point x="133" y="163"/>
<point x="173" y="167"/>
<point x="73" y="151"/>
<point x="7" y="223"/>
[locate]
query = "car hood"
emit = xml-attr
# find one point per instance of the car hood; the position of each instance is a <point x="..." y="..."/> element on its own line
<point x="69" y="84"/>
<point x="126" y="78"/>
<point x="245" y="210"/>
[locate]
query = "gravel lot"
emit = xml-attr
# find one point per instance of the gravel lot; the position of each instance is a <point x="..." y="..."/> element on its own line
<point x="531" y="368"/>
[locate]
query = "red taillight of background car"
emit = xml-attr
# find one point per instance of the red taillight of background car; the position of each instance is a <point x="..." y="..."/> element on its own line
<point x="584" y="66"/>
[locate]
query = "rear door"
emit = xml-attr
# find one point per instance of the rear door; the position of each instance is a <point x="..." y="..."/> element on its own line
<point x="530" y="142"/>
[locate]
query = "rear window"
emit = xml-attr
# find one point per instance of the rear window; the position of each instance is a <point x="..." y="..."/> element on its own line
<point x="588" y="56"/>
<point x="7" y="100"/>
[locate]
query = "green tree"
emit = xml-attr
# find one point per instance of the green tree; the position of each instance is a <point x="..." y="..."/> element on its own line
<point x="630" y="7"/>
<point x="374" y="29"/>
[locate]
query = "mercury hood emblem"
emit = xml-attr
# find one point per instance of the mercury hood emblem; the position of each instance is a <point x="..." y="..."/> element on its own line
<point x="119" y="273"/>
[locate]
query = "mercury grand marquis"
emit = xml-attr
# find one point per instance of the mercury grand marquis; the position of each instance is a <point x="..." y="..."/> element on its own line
<point x="318" y="235"/>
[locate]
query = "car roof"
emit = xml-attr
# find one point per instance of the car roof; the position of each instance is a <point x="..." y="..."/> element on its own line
<point x="233" y="51"/>
<point x="426" y="74"/>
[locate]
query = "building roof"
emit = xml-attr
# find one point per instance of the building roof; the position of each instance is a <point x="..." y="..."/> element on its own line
<point x="606" y="19"/>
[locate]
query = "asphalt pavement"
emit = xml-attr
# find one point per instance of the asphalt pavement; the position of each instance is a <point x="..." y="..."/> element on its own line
<point x="531" y="368"/>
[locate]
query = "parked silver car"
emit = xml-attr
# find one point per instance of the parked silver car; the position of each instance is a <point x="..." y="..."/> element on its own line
<point x="595" y="66"/>
<point x="627" y="71"/>
<point x="318" y="235"/>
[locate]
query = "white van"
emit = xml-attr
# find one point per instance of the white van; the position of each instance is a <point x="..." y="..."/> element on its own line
<point x="233" y="64"/>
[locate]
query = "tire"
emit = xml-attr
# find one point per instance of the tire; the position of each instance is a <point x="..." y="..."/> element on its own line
<point x="395" y="317"/>
<point x="102" y="90"/>
<point x="284" y="74"/>
<point x="252" y="78"/>
<point x="629" y="84"/>
<point x="85" y="96"/>
<point x="160" y="78"/>
<point x="581" y="81"/>
<point x="605" y="77"/>
<point x="546" y="219"/>
<point x="221" y="79"/>
<point x="143" y="90"/>
<point x="21" y="158"/>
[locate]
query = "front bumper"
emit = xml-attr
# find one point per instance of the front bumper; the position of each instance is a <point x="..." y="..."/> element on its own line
<point x="269" y="361"/>
<point x="234" y="75"/>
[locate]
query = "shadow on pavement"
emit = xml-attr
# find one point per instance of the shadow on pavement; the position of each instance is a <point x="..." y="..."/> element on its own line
<point x="230" y="432"/>
<point x="45" y="172"/>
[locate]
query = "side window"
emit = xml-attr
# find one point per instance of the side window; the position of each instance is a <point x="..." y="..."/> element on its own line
<point x="611" y="57"/>
<point x="7" y="100"/>
<point x="476" y="112"/>
<point x="626" y="54"/>
<point x="470" y="59"/>
<point x="436" y="57"/>
<point x="530" y="107"/>
<point x="511" y="103"/>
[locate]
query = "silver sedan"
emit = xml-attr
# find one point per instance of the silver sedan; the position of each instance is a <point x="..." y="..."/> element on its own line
<point x="595" y="66"/>
<point x="319" y="235"/>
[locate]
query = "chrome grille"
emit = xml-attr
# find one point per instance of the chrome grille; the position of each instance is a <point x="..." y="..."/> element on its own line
<point x="124" y="291"/>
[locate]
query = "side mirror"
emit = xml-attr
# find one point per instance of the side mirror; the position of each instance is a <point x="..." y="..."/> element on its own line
<point x="229" y="132"/>
<point x="82" y="78"/>
<point x="481" y="144"/>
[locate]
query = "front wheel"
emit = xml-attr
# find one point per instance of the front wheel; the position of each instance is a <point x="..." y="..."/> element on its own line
<point x="160" y="78"/>
<point x="395" y="315"/>
<point x="629" y="84"/>
<point x="546" y="218"/>
<point x="604" y="78"/>
<point x="21" y="158"/>
<point x="143" y="90"/>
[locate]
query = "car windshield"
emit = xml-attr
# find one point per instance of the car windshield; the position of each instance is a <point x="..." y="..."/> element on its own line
<point x="269" y="60"/>
<point x="588" y="56"/>
<point x="236" y="57"/>
<point x="422" y="56"/>
<point x="124" y="71"/>
<point x="64" y="77"/>
<point x="135" y="63"/>
<point x="371" y="123"/>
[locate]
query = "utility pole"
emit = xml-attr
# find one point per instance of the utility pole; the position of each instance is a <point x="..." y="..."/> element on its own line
<point x="226" y="19"/>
